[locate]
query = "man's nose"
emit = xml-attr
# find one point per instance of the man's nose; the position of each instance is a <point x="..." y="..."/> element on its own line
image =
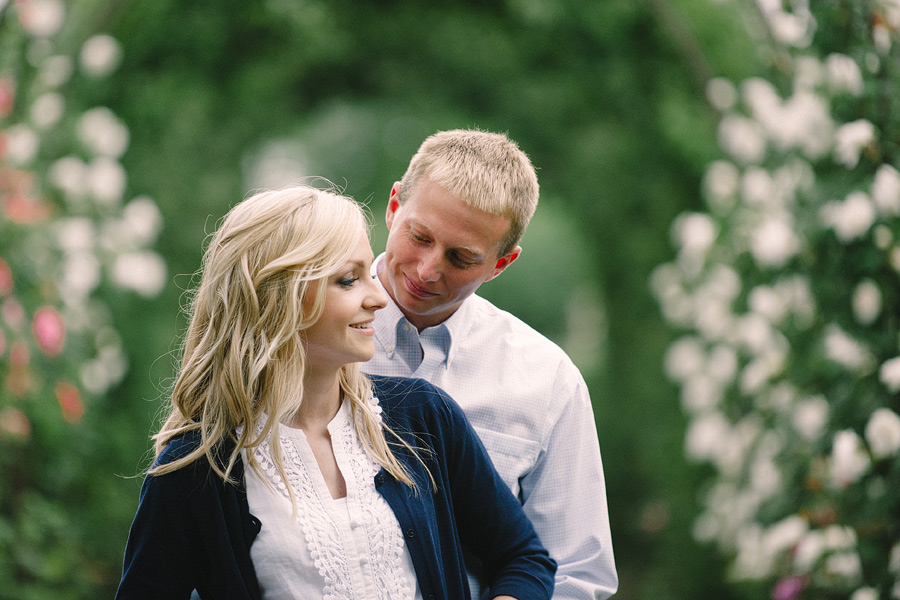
<point x="430" y="266"/>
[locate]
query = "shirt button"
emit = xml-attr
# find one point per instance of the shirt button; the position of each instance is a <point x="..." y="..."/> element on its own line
<point x="379" y="479"/>
<point x="410" y="533"/>
<point x="405" y="326"/>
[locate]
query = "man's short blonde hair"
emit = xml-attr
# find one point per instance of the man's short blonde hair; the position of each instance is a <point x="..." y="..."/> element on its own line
<point x="486" y="170"/>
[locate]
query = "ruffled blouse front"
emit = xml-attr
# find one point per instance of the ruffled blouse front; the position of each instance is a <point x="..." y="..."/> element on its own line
<point x="352" y="547"/>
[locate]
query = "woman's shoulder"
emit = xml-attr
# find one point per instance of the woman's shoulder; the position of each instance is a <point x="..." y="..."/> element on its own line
<point x="396" y="390"/>
<point x="412" y="397"/>
<point x="184" y="444"/>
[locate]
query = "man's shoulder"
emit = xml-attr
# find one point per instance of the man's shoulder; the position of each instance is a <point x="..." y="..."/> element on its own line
<point x="505" y="328"/>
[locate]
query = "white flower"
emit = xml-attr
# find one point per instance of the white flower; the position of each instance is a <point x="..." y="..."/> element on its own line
<point x="807" y="125"/>
<point x="894" y="560"/>
<point x="846" y="351"/>
<point x="100" y="55"/>
<point x="809" y="72"/>
<point x="684" y="358"/>
<point x="694" y="233"/>
<point x="142" y="219"/>
<point x="882" y="36"/>
<point x="721" y="93"/>
<point x="886" y="190"/>
<point x="882" y="236"/>
<point x="808" y="550"/>
<point x="793" y="28"/>
<point x="102" y="132"/>
<point x="708" y="436"/>
<point x="700" y="393"/>
<point x="848" y="459"/>
<point x="69" y="174"/>
<point x="722" y="364"/>
<point x="844" y="74"/>
<point x="80" y="275"/>
<point x="721" y="184"/>
<point x="851" y="218"/>
<point x="106" y="180"/>
<point x="742" y="138"/>
<point x="47" y="110"/>
<point x="757" y="187"/>
<point x="866" y="302"/>
<point x="21" y="144"/>
<point x="839" y="537"/>
<point x="143" y="272"/>
<point x="773" y="242"/>
<point x="865" y="593"/>
<point x="890" y="374"/>
<point x="850" y="139"/>
<point x="844" y="564"/>
<point x="810" y="417"/>
<point x="766" y="301"/>
<point x="76" y="234"/>
<point x="883" y="433"/>
<point x="42" y="18"/>
<point x="56" y="70"/>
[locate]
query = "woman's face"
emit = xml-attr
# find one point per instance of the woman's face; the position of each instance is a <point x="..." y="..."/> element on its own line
<point x="344" y="333"/>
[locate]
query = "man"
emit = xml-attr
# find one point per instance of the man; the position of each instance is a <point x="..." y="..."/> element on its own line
<point x="455" y="221"/>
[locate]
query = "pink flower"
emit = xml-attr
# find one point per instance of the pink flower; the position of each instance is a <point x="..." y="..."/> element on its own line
<point x="49" y="330"/>
<point x="12" y="311"/>
<point x="14" y="423"/>
<point x="7" y="94"/>
<point x="19" y="379"/>
<point x="6" y="280"/>
<point x="69" y="401"/>
<point x="789" y="587"/>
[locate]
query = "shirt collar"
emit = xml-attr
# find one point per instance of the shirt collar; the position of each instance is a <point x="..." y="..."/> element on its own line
<point x="390" y="322"/>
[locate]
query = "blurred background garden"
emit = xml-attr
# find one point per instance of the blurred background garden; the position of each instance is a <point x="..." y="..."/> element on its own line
<point x="717" y="247"/>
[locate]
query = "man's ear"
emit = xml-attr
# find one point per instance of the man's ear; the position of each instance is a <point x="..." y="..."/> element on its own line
<point x="393" y="205"/>
<point x="504" y="261"/>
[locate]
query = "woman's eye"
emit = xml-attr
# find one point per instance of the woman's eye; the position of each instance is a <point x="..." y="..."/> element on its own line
<point x="347" y="281"/>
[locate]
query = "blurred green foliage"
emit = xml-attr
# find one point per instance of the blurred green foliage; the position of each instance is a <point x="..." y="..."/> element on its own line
<point x="605" y="97"/>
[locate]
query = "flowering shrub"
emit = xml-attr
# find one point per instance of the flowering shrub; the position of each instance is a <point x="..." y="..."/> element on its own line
<point x="67" y="237"/>
<point x="787" y="289"/>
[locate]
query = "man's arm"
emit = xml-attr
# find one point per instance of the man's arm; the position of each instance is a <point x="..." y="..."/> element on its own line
<point x="565" y="497"/>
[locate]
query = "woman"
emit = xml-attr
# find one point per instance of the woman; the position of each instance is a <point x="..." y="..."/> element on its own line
<point x="357" y="487"/>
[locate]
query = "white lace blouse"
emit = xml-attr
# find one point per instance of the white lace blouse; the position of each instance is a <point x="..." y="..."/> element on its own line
<point x="351" y="548"/>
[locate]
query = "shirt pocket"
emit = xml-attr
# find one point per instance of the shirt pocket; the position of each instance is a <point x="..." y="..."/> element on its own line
<point x="513" y="457"/>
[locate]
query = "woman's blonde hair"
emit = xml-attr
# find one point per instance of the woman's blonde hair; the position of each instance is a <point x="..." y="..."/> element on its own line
<point x="262" y="284"/>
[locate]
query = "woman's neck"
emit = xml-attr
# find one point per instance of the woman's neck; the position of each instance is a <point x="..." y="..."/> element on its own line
<point x="321" y="402"/>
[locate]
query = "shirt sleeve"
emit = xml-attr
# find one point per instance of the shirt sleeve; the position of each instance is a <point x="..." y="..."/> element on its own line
<point x="564" y="495"/>
<point x="490" y="520"/>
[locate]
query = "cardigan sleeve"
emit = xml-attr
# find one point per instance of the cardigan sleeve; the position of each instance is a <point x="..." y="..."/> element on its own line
<point x="192" y="531"/>
<point x="491" y="521"/>
<point x="160" y="556"/>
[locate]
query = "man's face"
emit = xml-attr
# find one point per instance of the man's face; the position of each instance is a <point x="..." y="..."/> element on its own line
<point x="439" y="250"/>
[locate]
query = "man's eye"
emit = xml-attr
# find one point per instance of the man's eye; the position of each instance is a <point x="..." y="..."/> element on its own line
<point x="459" y="261"/>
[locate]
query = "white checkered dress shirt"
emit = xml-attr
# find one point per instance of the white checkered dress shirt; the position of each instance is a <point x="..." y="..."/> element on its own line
<point x="531" y="408"/>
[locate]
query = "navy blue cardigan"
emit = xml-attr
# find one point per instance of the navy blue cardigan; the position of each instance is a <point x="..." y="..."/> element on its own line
<point x="192" y="530"/>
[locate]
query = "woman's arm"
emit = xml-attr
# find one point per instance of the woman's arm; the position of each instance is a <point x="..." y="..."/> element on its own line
<point x="160" y="556"/>
<point x="491" y="522"/>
